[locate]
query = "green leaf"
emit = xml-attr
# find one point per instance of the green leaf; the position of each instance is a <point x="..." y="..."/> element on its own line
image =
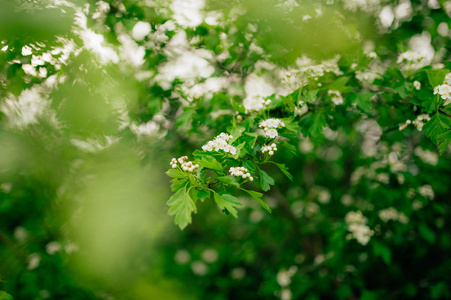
<point x="426" y="233"/>
<point x="238" y="150"/>
<point x="185" y="118"/>
<point x="288" y="101"/>
<point x="266" y="181"/>
<point x="401" y="88"/>
<point x="181" y="206"/>
<point x="178" y="184"/>
<point x="175" y="173"/>
<point x="238" y="107"/>
<point x="228" y="203"/>
<point x="318" y="123"/>
<point x="383" y="251"/>
<point x="284" y="169"/>
<point x="339" y="84"/>
<point x="210" y="162"/>
<point x="363" y="102"/>
<point x="443" y="141"/>
<point x="257" y="196"/>
<point x="5" y="296"/>
<point x="203" y="194"/>
<point x="436" y="77"/>
<point x="248" y="165"/>
<point x="436" y="126"/>
<point x="229" y="180"/>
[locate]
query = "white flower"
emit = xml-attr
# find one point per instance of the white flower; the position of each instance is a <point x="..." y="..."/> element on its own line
<point x="255" y="103"/>
<point x="411" y="60"/>
<point x="356" y="225"/>
<point x="426" y="191"/>
<point x="141" y="30"/>
<point x="269" y="148"/>
<point x="184" y="164"/>
<point x="420" y="120"/>
<point x="447" y="80"/>
<point x="444" y="91"/>
<point x="272" y="133"/>
<point x="417" y="85"/>
<point x="392" y="214"/>
<point x="220" y="142"/>
<point x="241" y="172"/>
<point x="271" y="123"/>
<point x="336" y="97"/>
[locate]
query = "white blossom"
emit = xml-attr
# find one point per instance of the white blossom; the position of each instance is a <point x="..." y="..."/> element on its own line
<point x="220" y="142"/>
<point x="255" y="103"/>
<point x="426" y="191"/>
<point x="185" y="165"/>
<point x="411" y="60"/>
<point x="269" y="148"/>
<point x="392" y="214"/>
<point x="444" y="91"/>
<point x="336" y="97"/>
<point x="240" y="172"/>
<point x="417" y="85"/>
<point x="358" y="228"/>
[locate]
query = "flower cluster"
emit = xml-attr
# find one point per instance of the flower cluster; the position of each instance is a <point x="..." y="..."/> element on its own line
<point x="336" y="97"/>
<point x="417" y="85"/>
<point x="269" y="148"/>
<point x="358" y="228"/>
<point x="241" y="172"/>
<point x="220" y="142"/>
<point x="418" y="122"/>
<point x="444" y="90"/>
<point x="411" y="60"/>
<point x="392" y="214"/>
<point x="270" y="127"/>
<point x="184" y="164"/>
<point x="255" y="103"/>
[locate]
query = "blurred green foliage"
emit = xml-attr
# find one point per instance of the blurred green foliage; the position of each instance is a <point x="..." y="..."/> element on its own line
<point x="96" y="97"/>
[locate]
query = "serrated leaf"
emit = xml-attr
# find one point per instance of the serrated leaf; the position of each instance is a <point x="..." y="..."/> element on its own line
<point x="257" y="196"/>
<point x="203" y="194"/>
<point x="284" y="170"/>
<point x="436" y="126"/>
<point x="229" y="180"/>
<point x="266" y="181"/>
<point x="181" y="206"/>
<point x="339" y="84"/>
<point x="175" y="173"/>
<point x="210" y="162"/>
<point x="443" y="141"/>
<point x="248" y="165"/>
<point x="436" y="77"/>
<point x="228" y="203"/>
<point x="177" y="184"/>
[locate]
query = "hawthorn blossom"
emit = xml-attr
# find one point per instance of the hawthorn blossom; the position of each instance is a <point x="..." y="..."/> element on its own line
<point x="358" y="228"/>
<point x="188" y="166"/>
<point x="241" y="172"/>
<point x="255" y="103"/>
<point x="336" y="97"/>
<point x="220" y="142"/>
<point x="269" y="148"/>
<point x="417" y="85"/>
